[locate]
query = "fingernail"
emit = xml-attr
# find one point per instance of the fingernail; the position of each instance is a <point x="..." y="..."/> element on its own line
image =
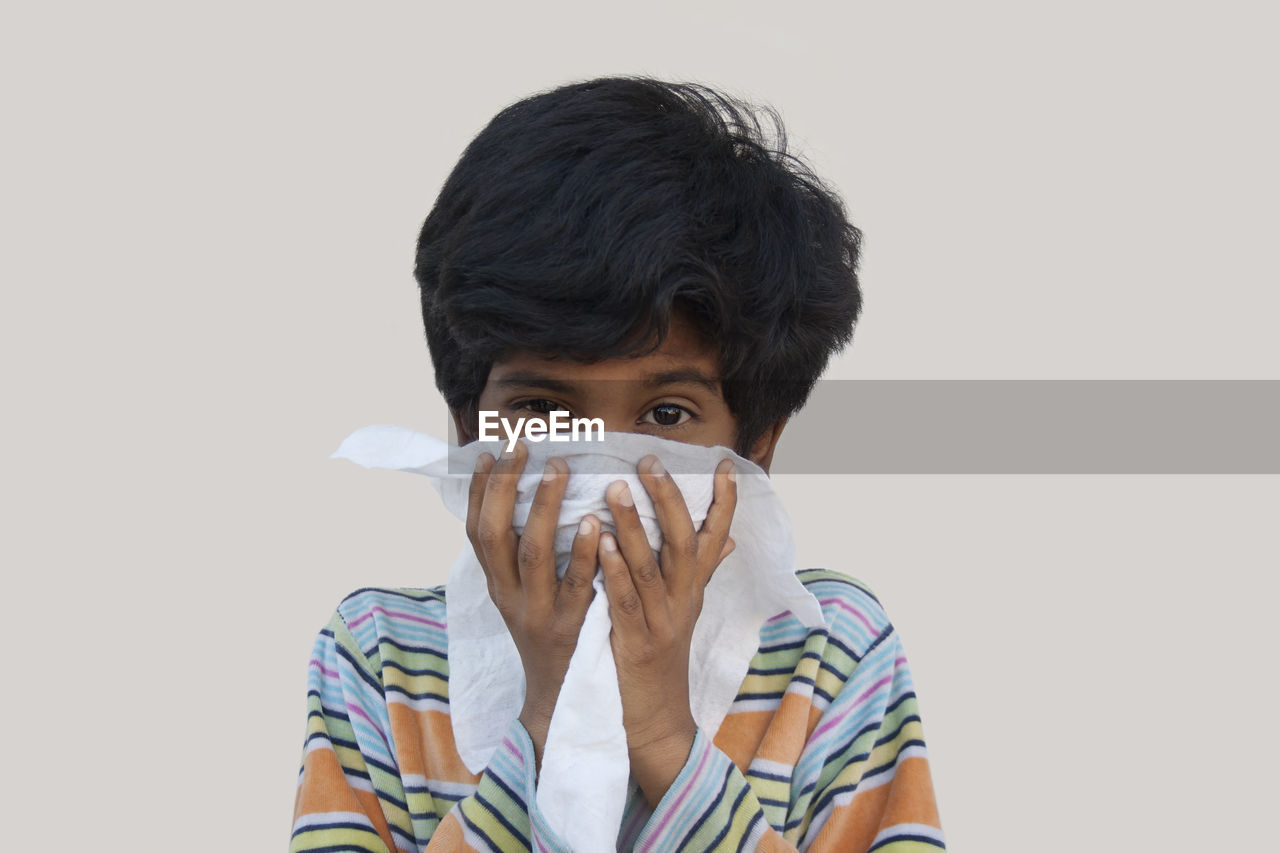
<point x="624" y="496"/>
<point x="607" y="542"/>
<point x="482" y="461"/>
<point x="733" y="473"/>
<point x="655" y="467"/>
<point x="585" y="527"/>
<point x="549" y="472"/>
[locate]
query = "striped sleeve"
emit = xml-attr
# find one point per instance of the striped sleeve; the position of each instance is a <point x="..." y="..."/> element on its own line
<point x="863" y="781"/>
<point x="353" y="795"/>
<point x="349" y="792"/>
<point x="859" y="780"/>
<point x="498" y="818"/>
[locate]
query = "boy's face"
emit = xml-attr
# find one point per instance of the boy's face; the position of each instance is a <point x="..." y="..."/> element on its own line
<point x="673" y="392"/>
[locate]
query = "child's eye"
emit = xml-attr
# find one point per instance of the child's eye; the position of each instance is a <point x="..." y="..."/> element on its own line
<point x="667" y="414"/>
<point x="542" y="407"/>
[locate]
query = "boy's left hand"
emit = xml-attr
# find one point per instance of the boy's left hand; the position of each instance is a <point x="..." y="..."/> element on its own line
<point x="654" y="606"/>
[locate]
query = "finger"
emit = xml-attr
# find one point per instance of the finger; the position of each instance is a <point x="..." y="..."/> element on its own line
<point x="729" y="546"/>
<point x="496" y="536"/>
<point x="726" y="551"/>
<point x="574" y="593"/>
<point x="715" y="528"/>
<point x="679" y="539"/>
<point x="475" y="495"/>
<point x="625" y="608"/>
<point x="536" y="551"/>
<point x="646" y="574"/>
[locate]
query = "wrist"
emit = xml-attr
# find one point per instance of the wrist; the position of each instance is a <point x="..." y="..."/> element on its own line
<point x="535" y="716"/>
<point x="657" y="760"/>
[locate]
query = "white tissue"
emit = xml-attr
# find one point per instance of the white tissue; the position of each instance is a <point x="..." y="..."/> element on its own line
<point x="582" y="783"/>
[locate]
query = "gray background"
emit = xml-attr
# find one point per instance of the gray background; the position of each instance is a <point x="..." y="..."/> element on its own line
<point x="209" y="214"/>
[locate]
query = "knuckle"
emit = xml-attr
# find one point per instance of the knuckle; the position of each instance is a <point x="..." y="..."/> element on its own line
<point x="530" y="552"/>
<point x="511" y="613"/>
<point x="629" y="603"/>
<point x="488" y="537"/>
<point x="687" y="548"/>
<point x="573" y="583"/>
<point x="502" y="603"/>
<point x="648" y="572"/>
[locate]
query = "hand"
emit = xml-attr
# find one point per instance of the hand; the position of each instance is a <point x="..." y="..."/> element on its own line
<point x="654" y="605"/>
<point x="543" y="614"/>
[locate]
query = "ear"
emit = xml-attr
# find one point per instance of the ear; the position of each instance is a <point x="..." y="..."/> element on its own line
<point x="464" y="425"/>
<point x="762" y="449"/>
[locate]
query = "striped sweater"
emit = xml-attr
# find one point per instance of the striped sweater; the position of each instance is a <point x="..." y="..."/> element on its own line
<point x="822" y="749"/>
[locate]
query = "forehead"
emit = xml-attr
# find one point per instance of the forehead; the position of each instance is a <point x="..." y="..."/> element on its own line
<point x="684" y="351"/>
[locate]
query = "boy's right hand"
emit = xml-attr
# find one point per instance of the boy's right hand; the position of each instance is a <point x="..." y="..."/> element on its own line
<point x="543" y="614"/>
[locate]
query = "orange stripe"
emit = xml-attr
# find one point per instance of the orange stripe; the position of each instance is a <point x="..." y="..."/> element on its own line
<point x="325" y="789"/>
<point x="428" y="735"/>
<point x="740" y="735"/>
<point x="909" y="798"/>
<point x="853" y="826"/>
<point x="815" y="716"/>
<point x="912" y="799"/>
<point x="407" y="735"/>
<point x="373" y="809"/>
<point x="788" y="732"/>
<point x="448" y="837"/>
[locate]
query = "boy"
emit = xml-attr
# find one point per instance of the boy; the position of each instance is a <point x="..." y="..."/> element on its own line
<point x="639" y="252"/>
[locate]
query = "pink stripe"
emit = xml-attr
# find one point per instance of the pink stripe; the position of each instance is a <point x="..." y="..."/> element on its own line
<point x="511" y="747"/>
<point x="357" y="709"/>
<point x="632" y="826"/>
<point x="327" y="672"/>
<point x="846" y="607"/>
<point x="396" y="614"/>
<point x="680" y="799"/>
<point x="872" y="689"/>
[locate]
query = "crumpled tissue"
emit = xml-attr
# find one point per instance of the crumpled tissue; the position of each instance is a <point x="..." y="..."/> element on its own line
<point x="583" y="780"/>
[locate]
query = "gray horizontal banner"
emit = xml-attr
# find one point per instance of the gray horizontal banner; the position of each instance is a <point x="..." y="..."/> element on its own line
<point x="1026" y="426"/>
<point x="995" y="426"/>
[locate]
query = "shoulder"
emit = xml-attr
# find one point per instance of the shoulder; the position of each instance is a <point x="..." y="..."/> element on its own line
<point x="854" y="616"/>
<point x="403" y="616"/>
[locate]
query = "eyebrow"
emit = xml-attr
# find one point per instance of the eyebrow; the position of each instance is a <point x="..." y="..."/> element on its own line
<point x="534" y="380"/>
<point x="666" y="377"/>
<point x="683" y="377"/>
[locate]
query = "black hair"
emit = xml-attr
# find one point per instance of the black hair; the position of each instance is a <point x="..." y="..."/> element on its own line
<point x="582" y="218"/>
